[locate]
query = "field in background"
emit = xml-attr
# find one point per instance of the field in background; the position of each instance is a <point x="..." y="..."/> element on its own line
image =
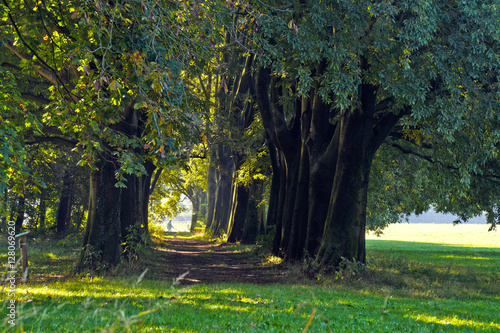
<point x="469" y="235"/>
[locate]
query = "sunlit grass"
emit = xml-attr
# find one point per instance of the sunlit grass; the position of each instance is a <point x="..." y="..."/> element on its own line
<point x="408" y="286"/>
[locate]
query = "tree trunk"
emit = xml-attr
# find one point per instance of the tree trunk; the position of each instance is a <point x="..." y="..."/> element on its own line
<point x="101" y="242"/>
<point x="298" y="228"/>
<point x="42" y="210"/>
<point x="129" y="210"/>
<point x="196" y="202"/>
<point x="280" y="206"/>
<point x="290" y="192"/>
<point x="148" y="185"/>
<point x="211" y="191"/>
<point x="320" y="188"/>
<point x="344" y="234"/>
<point x="21" y="206"/>
<point x="64" y="208"/>
<point x="345" y="224"/>
<point x="322" y="147"/>
<point x="194" y="220"/>
<point x="222" y="208"/>
<point x="239" y="213"/>
<point x="254" y="221"/>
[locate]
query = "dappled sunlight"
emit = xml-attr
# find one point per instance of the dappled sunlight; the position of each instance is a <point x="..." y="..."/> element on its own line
<point x="453" y="256"/>
<point x="51" y="255"/>
<point x="225" y="307"/>
<point x="456" y="322"/>
<point x="95" y="288"/>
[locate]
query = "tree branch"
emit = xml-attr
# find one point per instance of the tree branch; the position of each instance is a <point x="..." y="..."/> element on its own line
<point x="11" y="66"/>
<point x="35" y="98"/>
<point x="53" y="139"/>
<point x="45" y="72"/>
<point x="155" y="180"/>
<point x="412" y="152"/>
<point x="44" y="69"/>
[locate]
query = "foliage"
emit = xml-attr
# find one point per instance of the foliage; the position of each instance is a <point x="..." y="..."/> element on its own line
<point x="102" y="59"/>
<point x="264" y="243"/>
<point x="156" y="231"/>
<point x="184" y="179"/>
<point x="13" y="171"/>
<point x="135" y="242"/>
<point x="428" y="64"/>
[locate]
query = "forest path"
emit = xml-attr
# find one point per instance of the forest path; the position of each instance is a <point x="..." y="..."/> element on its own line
<point x="213" y="263"/>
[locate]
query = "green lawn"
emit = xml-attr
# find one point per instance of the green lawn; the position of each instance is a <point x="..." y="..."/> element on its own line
<point x="410" y="285"/>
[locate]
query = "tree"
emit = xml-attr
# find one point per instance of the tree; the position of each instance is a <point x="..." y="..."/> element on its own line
<point x="340" y="78"/>
<point x="115" y="71"/>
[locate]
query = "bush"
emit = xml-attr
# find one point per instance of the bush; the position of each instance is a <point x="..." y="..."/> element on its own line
<point x="264" y="243"/>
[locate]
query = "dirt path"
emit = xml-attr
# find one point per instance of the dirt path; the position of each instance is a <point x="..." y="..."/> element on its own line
<point x="212" y="263"/>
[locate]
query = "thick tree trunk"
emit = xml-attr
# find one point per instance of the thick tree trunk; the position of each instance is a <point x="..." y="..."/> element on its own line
<point x="254" y="220"/>
<point x="130" y="217"/>
<point x="289" y="196"/>
<point x="320" y="189"/>
<point x="298" y="233"/>
<point x="222" y="209"/>
<point x="101" y="242"/>
<point x="240" y="200"/>
<point x="344" y="234"/>
<point x="298" y="228"/>
<point x="323" y="151"/>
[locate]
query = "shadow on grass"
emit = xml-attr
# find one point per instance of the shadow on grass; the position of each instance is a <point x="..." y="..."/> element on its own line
<point x="485" y="258"/>
<point x="103" y="304"/>
<point x="435" y="270"/>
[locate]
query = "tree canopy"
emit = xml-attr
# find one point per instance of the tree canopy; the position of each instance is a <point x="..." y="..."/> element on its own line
<point x="346" y="115"/>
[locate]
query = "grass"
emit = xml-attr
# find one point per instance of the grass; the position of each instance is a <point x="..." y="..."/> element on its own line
<point x="412" y="284"/>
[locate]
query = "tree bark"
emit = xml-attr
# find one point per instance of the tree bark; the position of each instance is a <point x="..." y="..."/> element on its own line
<point x="21" y="207"/>
<point x="322" y="147"/>
<point x="254" y="221"/>
<point x="64" y="209"/>
<point x="238" y="217"/>
<point x="102" y="239"/>
<point x="222" y="208"/>
<point x="211" y="191"/>
<point x="196" y="200"/>
<point x="344" y="234"/>
<point x="42" y="210"/>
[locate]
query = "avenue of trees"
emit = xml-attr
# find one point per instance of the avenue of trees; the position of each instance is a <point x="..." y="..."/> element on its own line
<point x="312" y="120"/>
